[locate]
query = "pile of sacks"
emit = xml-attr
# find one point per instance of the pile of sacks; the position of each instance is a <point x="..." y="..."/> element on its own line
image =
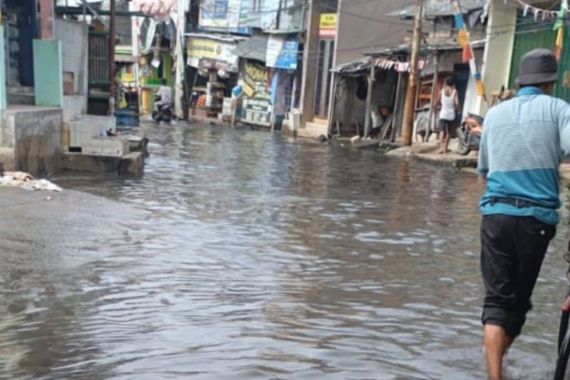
<point x="27" y="182"/>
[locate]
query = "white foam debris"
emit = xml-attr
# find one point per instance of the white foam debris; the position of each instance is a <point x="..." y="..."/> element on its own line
<point x="26" y="182"/>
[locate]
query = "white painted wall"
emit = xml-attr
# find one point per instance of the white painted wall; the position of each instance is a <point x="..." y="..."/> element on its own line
<point x="497" y="58"/>
<point x="74" y="37"/>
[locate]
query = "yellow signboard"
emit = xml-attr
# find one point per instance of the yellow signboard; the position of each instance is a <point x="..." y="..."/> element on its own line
<point x="203" y="48"/>
<point x="328" y="21"/>
<point x="327" y="26"/>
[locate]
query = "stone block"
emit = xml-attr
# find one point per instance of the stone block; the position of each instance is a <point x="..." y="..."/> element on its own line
<point x="106" y="146"/>
<point x="313" y="129"/>
<point x="85" y="127"/>
<point x="78" y="162"/>
<point x="38" y="138"/>
<point x="132" y="164"/>
<point x="137" y="144"/>
<point x="355" y="139"/>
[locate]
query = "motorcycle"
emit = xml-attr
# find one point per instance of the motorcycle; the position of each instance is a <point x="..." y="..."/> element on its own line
<point x="164" y="113"/>
<point x="466" y="140"/>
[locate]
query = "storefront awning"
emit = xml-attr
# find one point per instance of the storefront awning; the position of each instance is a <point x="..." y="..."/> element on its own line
<point x="253" y="48"/>
<point x="212" y="51"/>
<point x="353" y="68"/>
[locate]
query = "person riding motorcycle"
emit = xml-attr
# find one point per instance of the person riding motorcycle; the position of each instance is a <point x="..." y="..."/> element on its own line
<point x="163" y="96"/>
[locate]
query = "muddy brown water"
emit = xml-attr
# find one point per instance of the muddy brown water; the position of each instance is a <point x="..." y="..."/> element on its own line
<point x="248" y="256"/>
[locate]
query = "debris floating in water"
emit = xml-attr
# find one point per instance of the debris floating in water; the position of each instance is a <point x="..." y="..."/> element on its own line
<point x="27" y="182"/>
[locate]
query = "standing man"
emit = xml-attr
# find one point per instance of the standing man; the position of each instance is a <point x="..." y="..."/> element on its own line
<point x="522" y="145"/>
<point x="448" y="104"/>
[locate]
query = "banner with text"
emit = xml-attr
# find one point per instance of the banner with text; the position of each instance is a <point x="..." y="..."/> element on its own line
<point x="282" y="53"/>
<point x="257" y="91"/>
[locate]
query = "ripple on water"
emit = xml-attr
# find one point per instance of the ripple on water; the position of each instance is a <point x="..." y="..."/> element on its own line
<point x="250" y="257"/>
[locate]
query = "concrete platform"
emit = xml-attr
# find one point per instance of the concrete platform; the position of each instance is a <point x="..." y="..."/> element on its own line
<point x="314" y="129"/>
<point x="428" y="152"/>
<point x="32" y="137"/>
<point x="131" y="164"/>
<point x="86" y="163"/>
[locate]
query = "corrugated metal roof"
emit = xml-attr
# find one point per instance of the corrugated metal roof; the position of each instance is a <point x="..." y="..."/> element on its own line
<point x="253" y="48"/>
<point x="425" y="49"/>
<point x="354" y="67"/>
<point x="433" y="8"/>
<point x="216" y="37"/>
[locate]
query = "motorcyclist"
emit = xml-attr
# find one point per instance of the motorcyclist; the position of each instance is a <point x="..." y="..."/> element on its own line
<point x="164" y="96"/>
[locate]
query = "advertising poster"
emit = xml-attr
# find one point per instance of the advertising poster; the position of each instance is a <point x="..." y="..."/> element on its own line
<point x="257" y="91"/>
<point x="282" y="53"/>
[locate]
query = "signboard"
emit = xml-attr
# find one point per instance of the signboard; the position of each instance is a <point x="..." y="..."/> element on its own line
<point x="327" y="25"/>
<point x="203" y="48"/>
<point x="269" y="14"/>
<point x="257" y="94"/>
<point x="220" y="14"/>
<point x="282" y="53"/>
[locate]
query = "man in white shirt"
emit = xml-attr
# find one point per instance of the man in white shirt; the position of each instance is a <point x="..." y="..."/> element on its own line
<point x="164" y="94"/>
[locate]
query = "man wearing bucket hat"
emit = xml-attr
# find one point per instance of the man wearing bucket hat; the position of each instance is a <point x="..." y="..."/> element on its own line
<point x="521" y="148"/>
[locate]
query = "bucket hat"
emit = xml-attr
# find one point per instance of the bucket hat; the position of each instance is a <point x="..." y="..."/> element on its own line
<point x="538" y="66"/>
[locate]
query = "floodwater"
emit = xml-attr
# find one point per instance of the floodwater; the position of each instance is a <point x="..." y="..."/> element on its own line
<point x="246" y="256"/>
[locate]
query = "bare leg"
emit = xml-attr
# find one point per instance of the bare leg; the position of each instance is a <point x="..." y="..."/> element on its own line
<point x="496" y="344"/>
<point x="445" y="142"/>
<point x="441" y="139"/>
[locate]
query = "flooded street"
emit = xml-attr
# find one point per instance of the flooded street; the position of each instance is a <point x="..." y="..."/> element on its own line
<point x="241" y="255"/>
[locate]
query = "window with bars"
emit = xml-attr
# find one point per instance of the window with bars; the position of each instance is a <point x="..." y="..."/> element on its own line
<point x="256" y="6"/>
<point x="220" y="9"/>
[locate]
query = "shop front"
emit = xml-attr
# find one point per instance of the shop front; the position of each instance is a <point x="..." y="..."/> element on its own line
<point x="215" y="73"/>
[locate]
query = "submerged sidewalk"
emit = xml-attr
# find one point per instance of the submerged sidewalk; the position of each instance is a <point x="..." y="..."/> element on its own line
<point x="429" y="152"/>
<point x="50" y="214"/>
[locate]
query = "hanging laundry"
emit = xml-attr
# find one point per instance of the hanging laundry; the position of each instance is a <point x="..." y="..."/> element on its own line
<point x="463" y="38"/>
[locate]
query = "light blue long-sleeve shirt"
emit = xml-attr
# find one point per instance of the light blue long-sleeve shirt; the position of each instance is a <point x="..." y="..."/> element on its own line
<point x="523" y="142"/>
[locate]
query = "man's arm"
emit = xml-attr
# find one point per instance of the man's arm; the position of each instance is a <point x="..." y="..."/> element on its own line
<point x="483" y="160"/>
<point x="456" y="101"/>
<point x="564" y="127"/>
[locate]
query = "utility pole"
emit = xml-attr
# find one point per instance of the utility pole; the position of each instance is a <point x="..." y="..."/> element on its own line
<point x="310" y="59"/>
<point x="409" y="109"/>
<point x="180" y="64"/>
<point x="112" y="68"/>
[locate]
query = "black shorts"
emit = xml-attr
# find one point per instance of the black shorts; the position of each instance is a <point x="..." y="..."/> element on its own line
<point x="445" y="125"/>
<point x="512" y="250"/>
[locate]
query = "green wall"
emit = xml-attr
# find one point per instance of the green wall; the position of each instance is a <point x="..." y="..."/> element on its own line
<point x="532" y="35"/>
<point x="48" y="73"/>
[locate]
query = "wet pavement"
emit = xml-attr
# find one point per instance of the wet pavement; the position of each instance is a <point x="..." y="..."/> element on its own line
<point x="242" y="255"/>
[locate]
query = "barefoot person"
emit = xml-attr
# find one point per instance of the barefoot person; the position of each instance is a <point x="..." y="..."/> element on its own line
<point x="448" y="103"/>
<point x="521" y="148"/>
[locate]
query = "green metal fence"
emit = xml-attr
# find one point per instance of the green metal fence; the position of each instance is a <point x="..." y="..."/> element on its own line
<point x="531" y="35"/>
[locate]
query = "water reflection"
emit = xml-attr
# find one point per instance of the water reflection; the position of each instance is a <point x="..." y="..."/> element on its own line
<point x="241" y="255"/>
